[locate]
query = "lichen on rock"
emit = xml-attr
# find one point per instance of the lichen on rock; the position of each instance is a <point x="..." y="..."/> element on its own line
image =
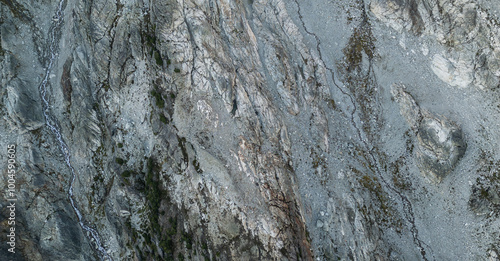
<point x="440" y="142"/>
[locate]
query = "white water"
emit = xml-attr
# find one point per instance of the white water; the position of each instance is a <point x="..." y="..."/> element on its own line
<point x="53" y="126"/>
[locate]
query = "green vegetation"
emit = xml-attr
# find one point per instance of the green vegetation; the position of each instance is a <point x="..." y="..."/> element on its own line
<point x="196" y="166"/>
<point x="331" y="104"/>
<point x="188" y="238"/>
<point x="168" y="235"/>
<point x="360" y="41"/>
<point x="164" y="237"/>
<point x="177" y="70"/>
<point x="151" y="41"/>
<point x="99" y="178"/>
<point x="160" y="103"/>
<point x="154" y="196"/>
<point x="358" y="76"/>
<point x="120" y="161"/>
<point x="127" y="173"/>
<point x="485" y="196"/>
<point x="383" y="207"/>
<point x="182" y="146"/>
<point x="120" y="145"/>
<point x="19" y="11"/>
<point x="153" y="193"/>
<point x="95" y="106"/>
<point x="158" y="58"/>
<point x="163" y="118"/>
<point x="398" y="179"/>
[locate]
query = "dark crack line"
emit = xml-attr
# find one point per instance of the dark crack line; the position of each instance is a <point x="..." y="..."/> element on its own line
<point x="194" y="47"/>
<point x="407" y="206"/>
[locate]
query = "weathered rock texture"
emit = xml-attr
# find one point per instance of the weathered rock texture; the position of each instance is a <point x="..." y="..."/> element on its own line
<point x="440" y="142"/>
<point x="467" y="30"/>
<point x="250" y="129"/>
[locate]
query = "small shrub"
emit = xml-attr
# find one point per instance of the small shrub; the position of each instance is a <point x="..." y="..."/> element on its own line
<point x="126" y="173"/>
<point x="120" y="161"/>
<point x="163" y="118"/>
<point x="158" y="58"/>
<point x="159" y="99"/>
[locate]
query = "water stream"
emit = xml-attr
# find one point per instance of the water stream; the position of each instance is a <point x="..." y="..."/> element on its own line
<point x="54" y="36"/>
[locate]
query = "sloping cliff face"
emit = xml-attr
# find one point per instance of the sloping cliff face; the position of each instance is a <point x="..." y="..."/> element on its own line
<point x="249" y="130"/>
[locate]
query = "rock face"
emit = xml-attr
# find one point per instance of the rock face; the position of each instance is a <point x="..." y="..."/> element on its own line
<point x="485" y="194"/>
<point x="465" y="27"/>
<point x="250" y="130"/>
<point x="440" y="146"/>
<point x="440" y="142"/>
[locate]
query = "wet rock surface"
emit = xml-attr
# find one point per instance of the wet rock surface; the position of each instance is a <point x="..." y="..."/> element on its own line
<point x="251" y="130"/>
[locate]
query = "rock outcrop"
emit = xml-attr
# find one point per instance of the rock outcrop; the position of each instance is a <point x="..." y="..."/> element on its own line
<point x="248" y="130"/>
<point x="485" y="194"/>
<point x="467" y="30"/>
<point x="440" y="142"/>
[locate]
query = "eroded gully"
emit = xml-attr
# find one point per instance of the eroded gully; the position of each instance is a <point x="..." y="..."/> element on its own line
<point x="407" y="206"/>
<point x="54" y="35"/>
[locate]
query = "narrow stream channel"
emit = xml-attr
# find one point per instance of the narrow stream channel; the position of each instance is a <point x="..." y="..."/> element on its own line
<point x="54" y="37"/>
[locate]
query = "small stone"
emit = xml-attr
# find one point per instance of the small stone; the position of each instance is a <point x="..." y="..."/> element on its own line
<point x="319" y="224"/>
<point x="493" y="256"/>
<point x="124" y="213"/>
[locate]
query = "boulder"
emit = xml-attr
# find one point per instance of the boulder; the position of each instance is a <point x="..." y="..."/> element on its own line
<point x="441" y="145"/>
<point x="440" y="142"/>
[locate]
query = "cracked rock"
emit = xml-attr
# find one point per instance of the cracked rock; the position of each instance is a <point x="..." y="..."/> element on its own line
<point x="440" y="142"/>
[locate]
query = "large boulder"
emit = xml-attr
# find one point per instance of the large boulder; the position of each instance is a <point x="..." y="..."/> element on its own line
<point x="440" y="142"/>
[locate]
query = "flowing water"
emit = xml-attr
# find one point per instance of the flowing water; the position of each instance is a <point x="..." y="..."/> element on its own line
<point x="51" y="122"/>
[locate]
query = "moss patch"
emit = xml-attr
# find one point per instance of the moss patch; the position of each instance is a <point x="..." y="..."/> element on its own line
<point x="383" y="207"/>
<point x="163" y="118"/>
<point x="160" y="102"/>
<point x="398" y="170"/>
<point x="357" y="75"/>
<point x="127" y="173"/>
<point x="485" y="196"/>
<point x="18" y="10"/>
<point x="361" y="41"/>
<point x="197" y="167"/>
<point x="120" y="161"/>
<point x="164" y="238"/>
<point x="158" y="59"/>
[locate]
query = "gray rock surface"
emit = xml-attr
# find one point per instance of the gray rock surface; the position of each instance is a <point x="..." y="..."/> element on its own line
<point x="251" y="130"/>
<point x="468" y="30"/>
<point x="440" y="146"/>
<point x="440" y="142"/>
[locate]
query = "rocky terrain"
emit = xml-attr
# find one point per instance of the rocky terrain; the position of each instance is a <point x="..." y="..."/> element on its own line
<point x="251" y="129"/>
